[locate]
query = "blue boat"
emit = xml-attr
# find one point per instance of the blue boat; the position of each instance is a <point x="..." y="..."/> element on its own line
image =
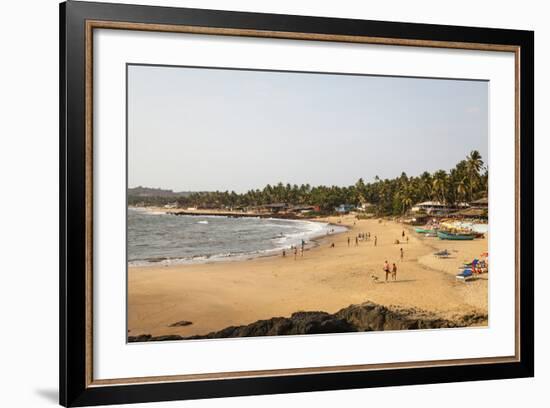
<point x="423" y="230"/>
<point x="455" y="237"/>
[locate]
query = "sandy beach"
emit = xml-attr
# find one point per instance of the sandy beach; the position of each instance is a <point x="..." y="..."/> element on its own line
<point x="216" y="295"/>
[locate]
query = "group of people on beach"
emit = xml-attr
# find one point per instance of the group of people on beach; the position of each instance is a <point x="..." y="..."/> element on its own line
<point x="294" y="249"/>
<point x="390" y="271"/>
<point x="362" y="236"/>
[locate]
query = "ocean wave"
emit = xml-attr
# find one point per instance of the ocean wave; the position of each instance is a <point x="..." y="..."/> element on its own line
<point x="146" y="210"/>
<point x="196" y="259"/>
<point x="302" y="230"/>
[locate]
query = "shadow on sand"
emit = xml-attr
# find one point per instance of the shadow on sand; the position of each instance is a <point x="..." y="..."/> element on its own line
<point x="396" y="281"/>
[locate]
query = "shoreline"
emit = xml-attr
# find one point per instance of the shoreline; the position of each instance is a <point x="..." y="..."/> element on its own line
<point x="216" y="295"/>
<point x="222" y="213"/>
<point x="311" y="242"/>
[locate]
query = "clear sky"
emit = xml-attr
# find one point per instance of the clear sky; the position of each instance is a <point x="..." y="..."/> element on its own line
<point x="198" y="129"/>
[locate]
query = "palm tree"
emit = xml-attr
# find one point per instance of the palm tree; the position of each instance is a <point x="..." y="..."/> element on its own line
<point x="474" y="164"/>
<point x="425" y="185"/>
<point x="439" y="185"/>
<point x="407" y="203"/>
<point x="461" y="189"/>
<point x="404" y="196"/>
<point x="467" y="180"/>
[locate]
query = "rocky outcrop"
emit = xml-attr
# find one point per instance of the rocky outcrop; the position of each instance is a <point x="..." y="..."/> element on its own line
<point x="373" y="317"/>
<point x="367" y="316"/>
<point x="297" y="323"/>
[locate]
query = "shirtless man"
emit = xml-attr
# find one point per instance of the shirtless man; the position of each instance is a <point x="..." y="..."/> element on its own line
<point x="386" y="269"/>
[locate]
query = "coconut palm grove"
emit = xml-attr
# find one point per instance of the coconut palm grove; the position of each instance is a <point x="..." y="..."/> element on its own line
<point x="467" y="181"/>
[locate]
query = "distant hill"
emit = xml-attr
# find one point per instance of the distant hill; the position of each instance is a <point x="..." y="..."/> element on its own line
<point x="156" y="192"/>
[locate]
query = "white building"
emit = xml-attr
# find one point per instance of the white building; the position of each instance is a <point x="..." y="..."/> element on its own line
<point x="437" y="207"/>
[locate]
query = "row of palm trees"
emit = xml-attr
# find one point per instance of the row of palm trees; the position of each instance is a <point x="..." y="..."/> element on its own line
<point x="467" y="181"/>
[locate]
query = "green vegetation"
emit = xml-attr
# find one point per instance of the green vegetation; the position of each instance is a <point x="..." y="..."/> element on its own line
<point x="467" y="181"/>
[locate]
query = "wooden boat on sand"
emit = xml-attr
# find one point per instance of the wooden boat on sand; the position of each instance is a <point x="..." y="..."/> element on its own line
<point x="426" y="230"/>
<point x="455" y="236"/>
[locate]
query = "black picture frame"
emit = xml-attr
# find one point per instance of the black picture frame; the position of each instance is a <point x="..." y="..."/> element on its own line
<point x="74" y="389"/>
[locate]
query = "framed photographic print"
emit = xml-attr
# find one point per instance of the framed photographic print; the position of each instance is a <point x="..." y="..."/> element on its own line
<point x="256" y="203"/>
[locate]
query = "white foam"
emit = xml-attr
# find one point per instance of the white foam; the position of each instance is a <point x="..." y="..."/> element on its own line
<point x="312" y="230"/>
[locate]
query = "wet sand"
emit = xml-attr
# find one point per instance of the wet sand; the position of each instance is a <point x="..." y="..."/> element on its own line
<point x="217" y="295"/>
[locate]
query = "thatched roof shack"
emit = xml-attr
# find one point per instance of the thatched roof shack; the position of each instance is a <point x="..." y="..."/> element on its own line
<point x="304" y="208"/>
<point x="416" y="219"/>
<point x="273" y="208"/>
<point x="481" y="203"/>
<point x="481" y="213"/>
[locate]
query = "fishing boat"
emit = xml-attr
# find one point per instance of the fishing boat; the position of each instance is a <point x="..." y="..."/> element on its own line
<point x="455" y="236"/>
<point x="422" y="230"/>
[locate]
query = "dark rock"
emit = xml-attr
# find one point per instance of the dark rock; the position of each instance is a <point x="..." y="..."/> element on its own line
<point x="167" y="337"/>
<point x="373" y="317"/>
<point x="367" y="316"/>
<point x="181" y="323"/>
<point x="139" y="337"/>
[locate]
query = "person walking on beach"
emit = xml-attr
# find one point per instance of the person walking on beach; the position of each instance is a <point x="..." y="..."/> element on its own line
<point x="302" y="251"/>
<point x="386" y="269"/>
<point x="402" y="254"/>
<point x="394" y="272"/>
<point x="375" y="240"/>
<point x="356" y="241"/>
<point x="284" y="253"/>
<point x="403" y="234"/>
<point x="407" y="239"/>
<point x="349" y="241"/>
<point x="295" y="252"/>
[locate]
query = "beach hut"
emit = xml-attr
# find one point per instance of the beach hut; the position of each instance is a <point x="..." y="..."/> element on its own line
<point x="481" y="203"/>
<point x="416" y="219"/>
<point x="344" y="208"/>
<point x="430" y="207"/>
<point x="273" y="208"/>
<point x="471" y="213"/>
<point x="364" y="207"/>
<point x="303" y="209"/>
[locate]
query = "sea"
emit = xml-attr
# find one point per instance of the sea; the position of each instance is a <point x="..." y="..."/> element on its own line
<point x="158" y="238"/>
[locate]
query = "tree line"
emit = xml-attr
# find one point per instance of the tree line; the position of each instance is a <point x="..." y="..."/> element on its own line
<point x="467" y="181"/>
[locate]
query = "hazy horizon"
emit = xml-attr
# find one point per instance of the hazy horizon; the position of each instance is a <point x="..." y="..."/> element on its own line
<point x="206" y="129"/>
